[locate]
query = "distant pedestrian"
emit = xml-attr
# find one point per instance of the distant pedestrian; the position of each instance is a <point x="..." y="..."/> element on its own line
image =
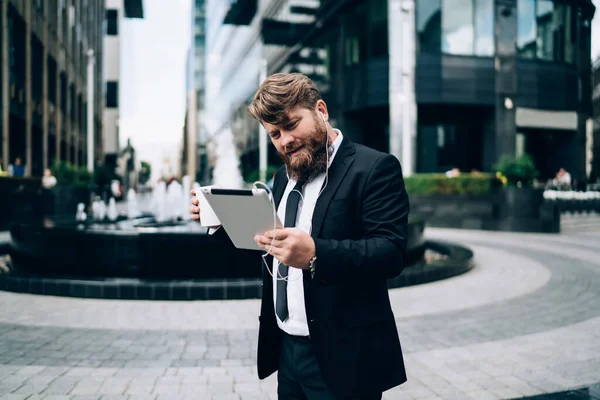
<point x="48" y="180"/>
<point x="17" y="169"/>
<point x="562" y="180"/>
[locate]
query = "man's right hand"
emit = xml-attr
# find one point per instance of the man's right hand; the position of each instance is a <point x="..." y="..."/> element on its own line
<point x="195" y="209"/>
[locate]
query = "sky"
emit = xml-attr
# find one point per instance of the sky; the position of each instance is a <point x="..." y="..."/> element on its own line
<point x="153" y="65"/>
<point x="152" y="83"/>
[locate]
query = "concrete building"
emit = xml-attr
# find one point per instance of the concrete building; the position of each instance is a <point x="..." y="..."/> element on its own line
<point x="44" y="48"/>
<point x="439" y="84"/>
<point x="116" y="11"/>
<point x="194" y="158"/>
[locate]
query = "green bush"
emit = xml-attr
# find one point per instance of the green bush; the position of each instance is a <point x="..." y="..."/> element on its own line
<point x="424" y="184"/>
<point x="68" y="174"/>
<point x="252" y="176"/>
<point x="517" y="170"/>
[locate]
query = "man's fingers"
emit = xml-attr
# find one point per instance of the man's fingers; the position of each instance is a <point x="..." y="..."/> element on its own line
<point x="193" y="192"/>
<point x="266" y="242"/>
<point x="195" y="210"/>
<point x="196" y="217"/>
<point x="278" y="234"/>
<point x="195" y="201"/>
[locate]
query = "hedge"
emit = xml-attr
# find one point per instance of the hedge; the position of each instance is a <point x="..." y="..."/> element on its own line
<point x="426" y="184"/>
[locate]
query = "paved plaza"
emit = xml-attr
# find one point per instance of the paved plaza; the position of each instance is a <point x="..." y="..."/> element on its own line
<point x="524" y="321"/>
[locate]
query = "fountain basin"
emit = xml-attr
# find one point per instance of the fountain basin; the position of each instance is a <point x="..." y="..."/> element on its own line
<point x="127" y="249"/>
<point x="128" y="260"/>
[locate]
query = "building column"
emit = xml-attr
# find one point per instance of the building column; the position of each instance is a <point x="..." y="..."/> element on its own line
<point x="5" y="87"/>
<point x="28" y="116"/>
<point x="506" y="78"/>
<point x="192" y="134"/>
<point x="45" y="118"/>
<point x="76" y="132"/>
<point x="58" y="110"/>
<point x="402" y="100"/>
<point x="68" y="72"/>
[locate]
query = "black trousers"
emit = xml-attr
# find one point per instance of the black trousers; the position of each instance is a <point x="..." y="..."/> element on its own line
<point x="299" y="376"/>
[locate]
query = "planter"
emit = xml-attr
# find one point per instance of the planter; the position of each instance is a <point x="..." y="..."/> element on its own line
<point x="521" y="203"/>
<point x="61" y="201"/>
<point x="510" y="209"/>
<point x="19" y="200"/>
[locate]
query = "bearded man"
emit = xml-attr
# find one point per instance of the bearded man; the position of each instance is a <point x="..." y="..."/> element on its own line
<point x="326" y="323"/>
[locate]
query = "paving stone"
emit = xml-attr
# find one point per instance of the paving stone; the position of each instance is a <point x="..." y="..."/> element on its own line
<point x="491" y="333"/>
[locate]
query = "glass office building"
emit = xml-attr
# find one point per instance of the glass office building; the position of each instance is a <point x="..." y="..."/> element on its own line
<point x="484" y="78"/>
<point x="44" y="81"/>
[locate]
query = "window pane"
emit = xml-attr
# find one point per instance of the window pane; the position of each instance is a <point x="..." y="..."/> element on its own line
<point x="378" y="28"/>
<point x="429" y="25"/>
<point x="484" y="27"/>
<point x="545" y="30"/>
<point x="526" y="28"/>
<point x="112" y="22"/>
<point x="457" y="26"/>
<point x="112" y="94"/>
<point x="356" y="35"/>
<point x="570" y="37"/>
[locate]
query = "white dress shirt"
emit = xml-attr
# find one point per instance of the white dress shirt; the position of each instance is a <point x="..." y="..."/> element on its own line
<point x="296" y="323"/>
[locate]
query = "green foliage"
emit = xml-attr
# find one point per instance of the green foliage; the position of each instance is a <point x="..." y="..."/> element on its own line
<point x="424" y="184"/>
<point x="517" y="170"/>
<point x="68" y="174"/>
<point x="145" y="172"/>
<point x="254" y="175"/>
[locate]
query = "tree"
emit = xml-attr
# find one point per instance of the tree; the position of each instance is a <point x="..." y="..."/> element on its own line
<point x="145" y="172"/>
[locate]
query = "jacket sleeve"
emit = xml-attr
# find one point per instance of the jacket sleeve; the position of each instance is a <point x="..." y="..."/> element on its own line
<point x="380" y="253"/>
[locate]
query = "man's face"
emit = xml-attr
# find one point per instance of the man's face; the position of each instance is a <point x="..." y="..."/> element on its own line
<point x="301" y="142"/>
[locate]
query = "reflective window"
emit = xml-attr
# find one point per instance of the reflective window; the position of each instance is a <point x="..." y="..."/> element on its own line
<point x="546" y="30"/>
<point x="378" y="28"/>
<point x="484" y="27"/>
<point x="462" y="27"/>
<point x="545" y="20"/>
<point x="355" y="45"/>
<point x="429" y="25"/>
<point x="526" y="32"/>
<point x="457" y="27"/>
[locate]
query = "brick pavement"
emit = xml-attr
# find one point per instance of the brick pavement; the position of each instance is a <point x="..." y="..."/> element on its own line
<point x="525" y="321"/>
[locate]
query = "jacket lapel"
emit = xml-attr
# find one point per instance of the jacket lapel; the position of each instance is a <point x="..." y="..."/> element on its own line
<point x="339" y="167"/>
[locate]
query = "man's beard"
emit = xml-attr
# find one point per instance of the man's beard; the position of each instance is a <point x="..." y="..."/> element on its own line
<point x="312" y="159"/>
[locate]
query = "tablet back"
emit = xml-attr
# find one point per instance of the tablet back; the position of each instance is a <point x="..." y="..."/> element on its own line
<point x="243" y="213"/>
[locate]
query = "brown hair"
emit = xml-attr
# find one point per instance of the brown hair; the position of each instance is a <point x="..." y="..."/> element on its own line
<point x="279" y="93"/>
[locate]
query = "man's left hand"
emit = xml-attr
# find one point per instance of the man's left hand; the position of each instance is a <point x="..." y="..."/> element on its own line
<point x="292" y="246"/>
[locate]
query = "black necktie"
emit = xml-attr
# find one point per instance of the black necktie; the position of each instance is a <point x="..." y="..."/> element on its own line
<point x="291" y="210"/>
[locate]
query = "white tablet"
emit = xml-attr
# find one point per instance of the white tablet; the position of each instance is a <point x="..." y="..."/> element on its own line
<point x="243" y="213"/>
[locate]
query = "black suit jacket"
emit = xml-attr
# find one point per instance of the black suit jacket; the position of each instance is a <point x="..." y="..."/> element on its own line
<point x="359" y="227"/>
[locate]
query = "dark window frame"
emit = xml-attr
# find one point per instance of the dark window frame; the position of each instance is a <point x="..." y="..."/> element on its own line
<point x="112" y="94"/>
<point x="112" y="22"/>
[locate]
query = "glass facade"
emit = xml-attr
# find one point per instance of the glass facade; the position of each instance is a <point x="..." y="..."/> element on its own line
<point x="460" y="27"/>
<point x="365" y="32"/>
<point x="546" y="30"/>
